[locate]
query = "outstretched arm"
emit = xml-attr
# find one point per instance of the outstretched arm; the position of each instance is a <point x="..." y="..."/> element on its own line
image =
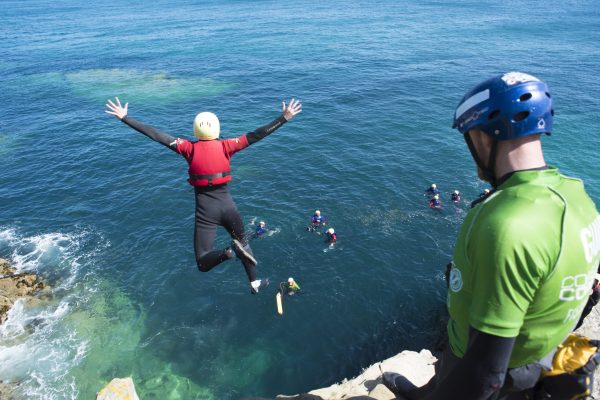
<point x="120" y="112"/>
<point x="288" y="112"/>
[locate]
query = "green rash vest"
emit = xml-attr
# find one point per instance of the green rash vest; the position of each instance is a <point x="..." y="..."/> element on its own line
<point x="524" y="264"/>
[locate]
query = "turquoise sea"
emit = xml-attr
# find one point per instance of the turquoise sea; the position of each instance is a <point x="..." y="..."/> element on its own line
<point x="105" y="216"/>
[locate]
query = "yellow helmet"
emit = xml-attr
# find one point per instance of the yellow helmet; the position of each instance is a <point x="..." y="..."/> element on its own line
<point x="317" y="212"/>
<point x="437" y="196"/>
<point x="206" y="126"/>
<point x="330" y="231"/>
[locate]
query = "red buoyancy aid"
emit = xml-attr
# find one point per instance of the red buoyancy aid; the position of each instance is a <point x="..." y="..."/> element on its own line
<point x="209" y="159"/>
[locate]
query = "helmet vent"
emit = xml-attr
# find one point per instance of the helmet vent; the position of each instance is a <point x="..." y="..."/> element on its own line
<point x="526" y="96"/>
<point x="493" y="115"/>
<point x="520" y="116"/>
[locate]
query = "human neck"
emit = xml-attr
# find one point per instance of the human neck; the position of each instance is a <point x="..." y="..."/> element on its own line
<point x="519" y="154"/>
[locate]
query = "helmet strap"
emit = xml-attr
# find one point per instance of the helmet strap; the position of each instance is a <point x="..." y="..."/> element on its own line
<point x="487" y="170"/>
<point x="492" y="164"/>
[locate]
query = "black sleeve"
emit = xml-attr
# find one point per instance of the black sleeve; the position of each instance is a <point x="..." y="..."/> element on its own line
<point x="480" y="373"/>
<point x="593" y="300"/>
<point x="266" y="130"/>
<point x="154" y="134"/>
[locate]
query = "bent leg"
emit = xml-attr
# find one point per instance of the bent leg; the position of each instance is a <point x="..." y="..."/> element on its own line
<point x="204" y="238"/>
<point x="232" y="221"/>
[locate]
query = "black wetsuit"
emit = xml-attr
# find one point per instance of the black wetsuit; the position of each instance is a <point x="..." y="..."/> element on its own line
<point x="214" y="205"/>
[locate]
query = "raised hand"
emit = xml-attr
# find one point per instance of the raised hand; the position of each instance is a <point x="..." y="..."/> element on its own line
<point x="117" y="110"/>
<point x="291" y="109"/>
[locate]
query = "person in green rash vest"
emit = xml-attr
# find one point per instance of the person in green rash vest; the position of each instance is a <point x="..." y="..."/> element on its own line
<point x="292" y="286"/>
<point x="525" y="257"/>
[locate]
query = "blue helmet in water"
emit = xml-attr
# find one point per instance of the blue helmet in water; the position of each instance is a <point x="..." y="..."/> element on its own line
<point x="506" y="107"/>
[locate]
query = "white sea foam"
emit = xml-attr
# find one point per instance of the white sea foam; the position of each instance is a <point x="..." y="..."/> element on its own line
<point x="274" y="231"/>
<point x="39" y="356"/>
<point x="31" y="253"/>
<point x="7" y="235"/>
<point x="14" y="325"/>
<point x="37" y="348"/>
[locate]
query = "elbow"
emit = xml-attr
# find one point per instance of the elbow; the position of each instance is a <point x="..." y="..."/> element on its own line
<point x="488" y="383"/>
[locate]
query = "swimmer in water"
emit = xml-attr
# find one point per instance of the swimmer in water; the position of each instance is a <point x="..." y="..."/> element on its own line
<point x="435" y="202"/>
<point x="291" y="287"/>
<point x="331" y="236"/>
<point x="316" y="221"/>
<point x="261" y="229"/>
<point x="432" y="190"/>
<point x="455" y="196"/>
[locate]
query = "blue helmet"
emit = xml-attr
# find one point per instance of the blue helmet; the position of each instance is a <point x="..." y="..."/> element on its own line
<point x="506" y="107"/>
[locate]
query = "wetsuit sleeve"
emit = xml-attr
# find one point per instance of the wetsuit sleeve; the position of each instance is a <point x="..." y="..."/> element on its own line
<point x="161" y="137"/>
<point x="266" y="130"/>
<point x="480" y="373"/>
<point x="593" y="300"/>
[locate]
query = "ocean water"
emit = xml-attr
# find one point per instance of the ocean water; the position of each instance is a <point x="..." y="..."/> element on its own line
<point x="106" y="216"/>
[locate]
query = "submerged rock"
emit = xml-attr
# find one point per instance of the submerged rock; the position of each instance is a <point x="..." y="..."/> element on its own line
<point x="118" y="389"/>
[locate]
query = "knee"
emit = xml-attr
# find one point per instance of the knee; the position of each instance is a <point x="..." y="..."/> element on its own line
<point x="202" y="267"/>
<point x="202" y="264"/>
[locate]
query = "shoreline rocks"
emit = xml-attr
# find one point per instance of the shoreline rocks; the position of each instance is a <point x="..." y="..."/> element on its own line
<point x="417" y="367"/>
<point x="6" y="390"/>
<point x="15" y="286"/>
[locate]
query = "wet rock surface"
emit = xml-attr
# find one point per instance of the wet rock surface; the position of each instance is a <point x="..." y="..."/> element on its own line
<point x="15" y="286"/>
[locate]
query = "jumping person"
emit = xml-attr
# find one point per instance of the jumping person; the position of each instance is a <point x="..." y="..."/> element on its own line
<point x="525" y="257"/>
<point x="209" y="172"/>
